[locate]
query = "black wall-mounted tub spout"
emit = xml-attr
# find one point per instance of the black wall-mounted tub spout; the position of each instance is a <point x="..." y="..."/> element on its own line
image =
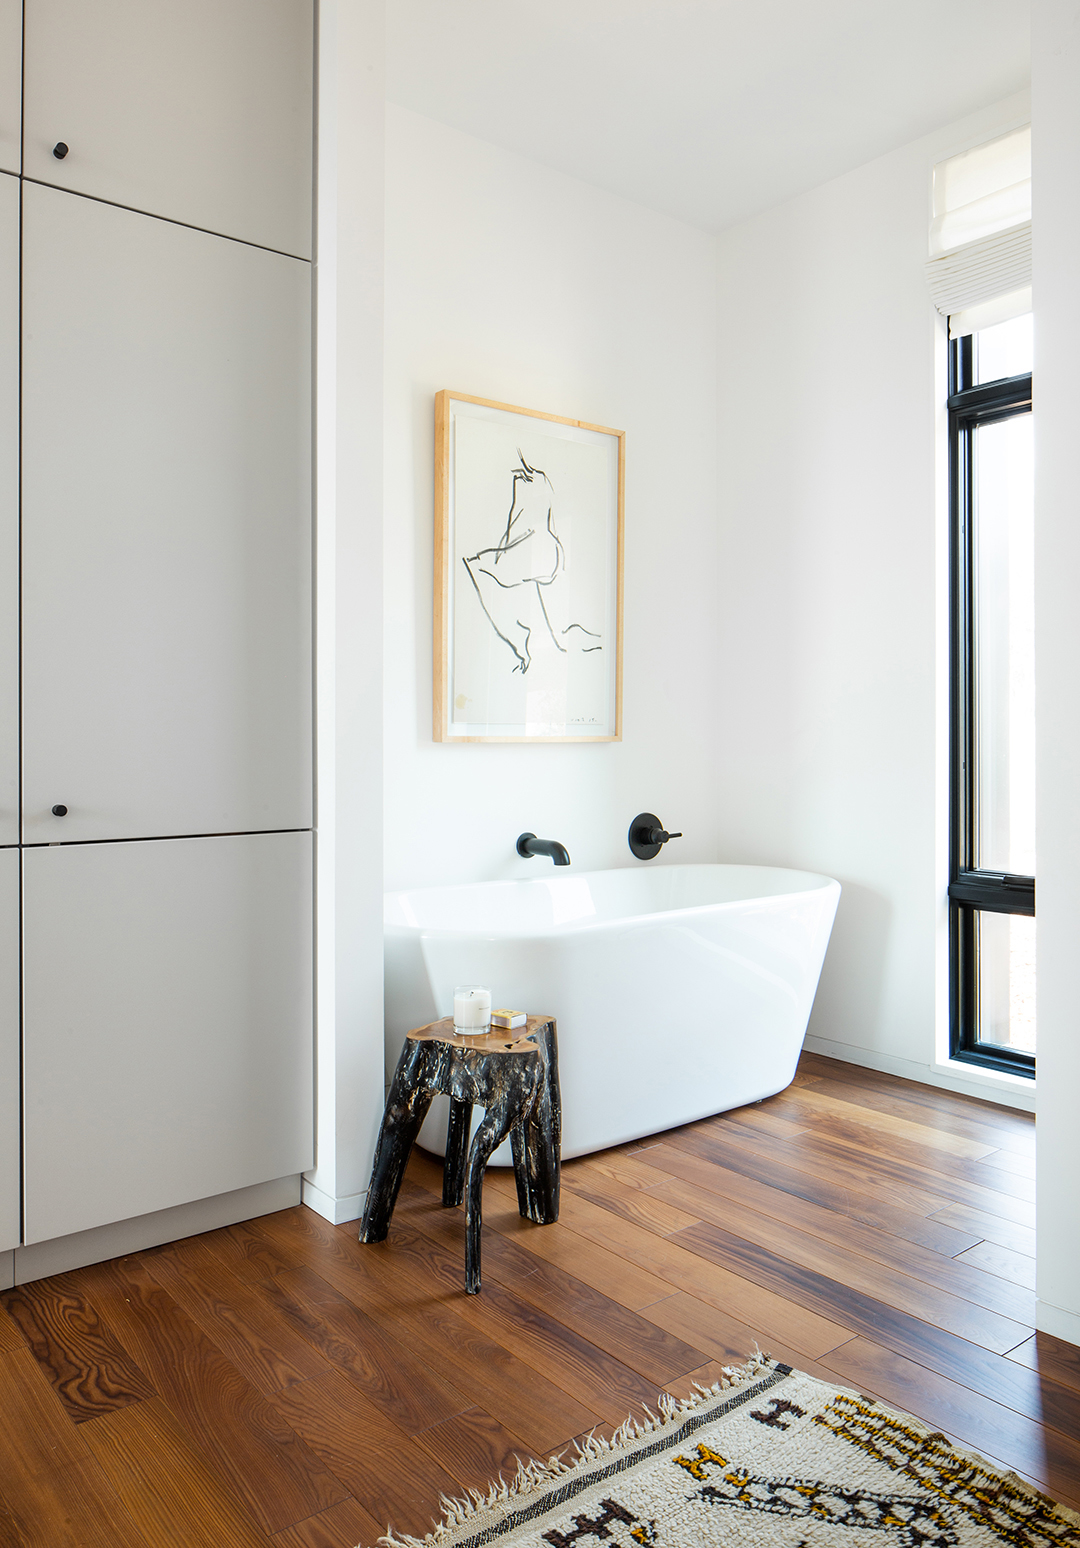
<point x="647" y="836"/>
<point x="528" y="845"/>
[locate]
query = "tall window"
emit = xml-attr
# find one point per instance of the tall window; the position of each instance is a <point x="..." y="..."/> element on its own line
<point x="992" y="863"/>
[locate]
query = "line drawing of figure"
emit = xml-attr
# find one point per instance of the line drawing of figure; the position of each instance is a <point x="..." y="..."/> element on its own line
<point x="528" y="561"/>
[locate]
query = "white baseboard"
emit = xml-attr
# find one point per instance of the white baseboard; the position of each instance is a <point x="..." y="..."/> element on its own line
<point x="337" y="1211"/>
<point x="1056" y="1320"/>
<point x="164" y="1225"/>
<point x="7" y="1270"/>
<point x="1008" y="1090"/>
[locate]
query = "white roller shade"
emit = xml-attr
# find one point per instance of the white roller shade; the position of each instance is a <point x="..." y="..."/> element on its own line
<point x="980" y="237"/>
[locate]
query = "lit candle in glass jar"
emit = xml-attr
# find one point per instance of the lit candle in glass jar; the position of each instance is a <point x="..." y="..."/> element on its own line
<point x="472" y="1009"/>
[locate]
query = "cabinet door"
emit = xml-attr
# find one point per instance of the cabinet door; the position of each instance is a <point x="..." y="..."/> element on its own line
<point x="9" y="509"/>
<point x="166" y="528"/>
<point x="9" y="1049"/>
<point x="168" y="1044"/>
<point x="10" y="84"/>
<point x="198" y="110"/>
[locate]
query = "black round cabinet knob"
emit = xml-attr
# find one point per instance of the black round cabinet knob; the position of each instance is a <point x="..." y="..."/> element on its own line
<point x="59" y="811"/>
<point x="59" y="150"/>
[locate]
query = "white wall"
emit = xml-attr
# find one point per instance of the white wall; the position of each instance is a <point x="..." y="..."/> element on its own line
<point x="832" y="587"/>
<point x="510" y="281"/>
<point x="1056" y="228"/>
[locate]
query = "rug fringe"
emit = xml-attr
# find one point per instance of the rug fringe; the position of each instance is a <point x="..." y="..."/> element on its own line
<point x="531" y="1475"/>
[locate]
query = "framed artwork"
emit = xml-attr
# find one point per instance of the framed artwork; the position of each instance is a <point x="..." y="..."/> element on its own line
<point x="528" y="575"/>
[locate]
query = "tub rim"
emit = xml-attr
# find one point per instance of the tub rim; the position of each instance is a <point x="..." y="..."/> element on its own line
<point x="824" y="884"/>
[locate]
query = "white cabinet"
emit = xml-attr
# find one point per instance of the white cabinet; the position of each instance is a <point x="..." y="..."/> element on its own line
<point x="198" y="110"/>
<point x="155" y="606"/>
<point x="9" y="1048"/>
<point x="10" y="84"/>
<point x="166" y="528"/>
<point x="9" y="509"/>
<point x="167" y="1003"/>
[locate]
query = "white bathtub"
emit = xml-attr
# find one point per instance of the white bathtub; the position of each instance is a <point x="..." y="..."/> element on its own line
<point x="679" y="990"/>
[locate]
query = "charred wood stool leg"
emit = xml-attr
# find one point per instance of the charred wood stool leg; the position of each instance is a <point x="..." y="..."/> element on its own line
<point x="537" y="1155"/>
<point x="517" y="1146"/>
<point x="406" y="1109"/>
<point x="457" y="1148"/>
<point x="539" y="1172"/>
<point x="497" y="1123"/>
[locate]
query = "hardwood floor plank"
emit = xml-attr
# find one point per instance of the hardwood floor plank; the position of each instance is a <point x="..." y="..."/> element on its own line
<point x="756" y="1118"/>
<point x="725" y="1338"/>
<point x="1014" y="1123"/>
<point x="609" y="1273"/>
<point x="10" y="1337"/>
<point x="89" y="1371"/>
<point x="991" y="1228"/>
<point x="260" y="1342"/>
<point x="473" y="1448"/>
<point x="397" y="1481"/>
<point x="243" y="1438"/>
<point x="1045" y="1454"/>
<point x="813" y="1102"/>
<point x="1017" y="1268"/>
<point x="1010" y="1161"/>
<point x="635" y="1341"/>
<point x="599" y="1382"/>
<point x="768" y="1186"/>
<point x="947" y="1116"/>
<point x="53" y="1494"/>
<point x="837" y="1160"/>
<point x="862" y="1311"/>
<point x="967" y="1318"/>
<point x="1053" y="1359"/>
<point x="776" y="1315"/>
<point x="421" y="1314"/>
<point x="1009" y="1182"/>
<point x="248" y="1250"/>
<point x="389" y="1374"/>
<point x="787" y="1164"/>
<point x="653" y="1211"/>
<point x="937" y="1167"/>
<point x="342" y="1526"/>
<point x="631" y="1171"/>
<point x="836" y="1244"/>
<point x="165" y="1483"/>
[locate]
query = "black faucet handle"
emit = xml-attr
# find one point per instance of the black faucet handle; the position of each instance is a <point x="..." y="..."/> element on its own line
<point x="647" y="836"/>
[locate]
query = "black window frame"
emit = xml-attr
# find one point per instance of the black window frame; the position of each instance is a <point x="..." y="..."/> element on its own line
<point x="971" y="889"/>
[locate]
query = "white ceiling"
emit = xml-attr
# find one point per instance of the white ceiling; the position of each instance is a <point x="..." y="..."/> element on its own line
<point x="706" y="109"/>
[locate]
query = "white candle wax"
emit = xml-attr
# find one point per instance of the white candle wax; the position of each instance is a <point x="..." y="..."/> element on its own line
<point x="472" y="1008"/>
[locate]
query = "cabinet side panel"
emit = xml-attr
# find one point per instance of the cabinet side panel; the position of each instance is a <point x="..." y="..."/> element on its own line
<point x="10" y="85"/>
<point x="199" y="111"/>
<point x="168" y="1036"/>
<point x="9" y="507"/>
<point x="166" y="528"/>
<point x="10" y="1212"/>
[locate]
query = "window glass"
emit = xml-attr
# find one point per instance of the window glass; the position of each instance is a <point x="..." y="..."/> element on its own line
<point x="1004" y="350"/>
<point x="1003" y="554"/>
<point x="1006" y="957"/>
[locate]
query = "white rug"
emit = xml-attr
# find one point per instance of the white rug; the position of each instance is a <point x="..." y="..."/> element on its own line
<point x="773" y="1457"/>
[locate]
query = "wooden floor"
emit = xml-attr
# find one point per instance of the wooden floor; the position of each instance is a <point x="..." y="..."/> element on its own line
<point x="277" y="1382"/>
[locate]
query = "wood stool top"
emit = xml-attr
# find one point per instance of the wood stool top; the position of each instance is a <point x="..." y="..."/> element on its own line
<point x="521" y="1040"/>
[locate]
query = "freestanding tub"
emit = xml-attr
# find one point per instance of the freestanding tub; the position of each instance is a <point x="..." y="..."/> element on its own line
<point x="679" y="991"/>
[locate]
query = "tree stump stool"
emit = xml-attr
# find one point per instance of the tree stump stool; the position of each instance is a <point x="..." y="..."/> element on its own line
<point x="515" y="1076"/>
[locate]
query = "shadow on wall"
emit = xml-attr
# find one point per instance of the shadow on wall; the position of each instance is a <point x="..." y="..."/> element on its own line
<point x="854" y="972"/>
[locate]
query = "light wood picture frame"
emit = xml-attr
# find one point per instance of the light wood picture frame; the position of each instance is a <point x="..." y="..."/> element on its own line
<point x="528" y="613"/>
